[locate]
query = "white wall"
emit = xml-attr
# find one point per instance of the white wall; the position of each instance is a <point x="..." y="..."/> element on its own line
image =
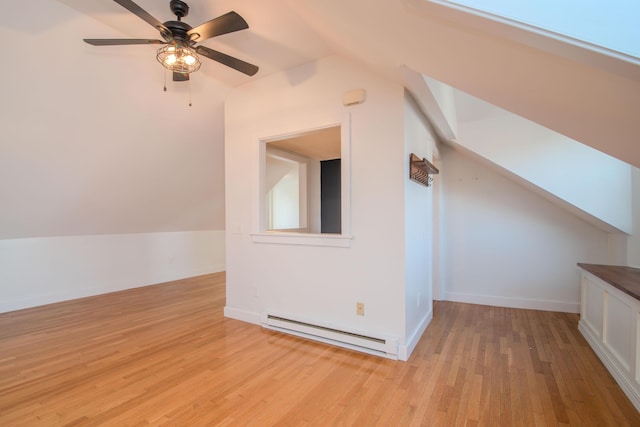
<point x="418" y="226"/>
<point x="92" y="150"/>
<point x="590" y="180"/>
<point x="45" y="270"/>
<point x="320" y="284"/>
<point x="507" y="246"/>
<point x="91" y="144"/>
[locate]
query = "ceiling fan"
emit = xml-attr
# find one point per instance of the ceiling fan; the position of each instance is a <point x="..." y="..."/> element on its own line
<point x="180" y="53"/>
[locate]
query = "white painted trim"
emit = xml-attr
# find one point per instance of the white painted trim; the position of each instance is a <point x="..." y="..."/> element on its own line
<point x="122" y="285"/>
<point x="510" y="302"/>
<point x="303" y="165"/>
<point x="46" y="270"/>
<point x="243" y="315"/>
<point x="623" y="369"/>
<point x="428" y="104"/>
<point x="613" y="368"/>
<point x="215" y="269"/>
<point x="260" y="233"/>
<point x="304" y="239"/>
<point x="405" y="350"/>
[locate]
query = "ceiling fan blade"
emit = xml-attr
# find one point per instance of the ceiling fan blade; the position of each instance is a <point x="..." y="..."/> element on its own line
<point x="115" y="42"/>
<point x="180" y="77"/>
<point x="143" y="14"/>
<point x="229" y="61"/>
<point x="227" y="23"/>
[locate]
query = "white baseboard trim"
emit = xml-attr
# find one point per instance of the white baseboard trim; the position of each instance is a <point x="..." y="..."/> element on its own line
<point x="56" y="297"/>
<point x="608" y="361"/>
<point x="405" y="350"/>
<point x="510" y="302"/>
<point x="44" y="270"/>
<point x="244" y="315"/>
<point x="213" y="269"/>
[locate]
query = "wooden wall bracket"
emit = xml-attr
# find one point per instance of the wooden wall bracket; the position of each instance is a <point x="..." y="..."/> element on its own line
<point x="420" y="169"/>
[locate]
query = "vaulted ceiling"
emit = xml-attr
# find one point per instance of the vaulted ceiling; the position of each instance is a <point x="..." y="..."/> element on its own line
<point x="92" y="144"/>
<point x="591" y="97"/>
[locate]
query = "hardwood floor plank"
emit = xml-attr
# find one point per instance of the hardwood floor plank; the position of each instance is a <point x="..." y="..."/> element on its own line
<point x="166" y="355"/>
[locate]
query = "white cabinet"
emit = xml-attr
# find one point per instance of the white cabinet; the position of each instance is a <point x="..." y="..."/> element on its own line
<point x="609" y="320"/>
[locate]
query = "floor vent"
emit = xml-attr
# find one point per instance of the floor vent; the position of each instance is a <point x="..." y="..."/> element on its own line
<point x="357" y="341"/>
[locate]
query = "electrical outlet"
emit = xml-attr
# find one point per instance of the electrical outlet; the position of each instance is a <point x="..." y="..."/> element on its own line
<point x="360" y="308"/>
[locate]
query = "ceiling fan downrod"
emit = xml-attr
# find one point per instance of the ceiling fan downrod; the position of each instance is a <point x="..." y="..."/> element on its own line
<point x="179" y="8"/>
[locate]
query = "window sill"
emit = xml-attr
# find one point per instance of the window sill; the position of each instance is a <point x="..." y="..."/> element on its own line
<point x="303" y="239"/>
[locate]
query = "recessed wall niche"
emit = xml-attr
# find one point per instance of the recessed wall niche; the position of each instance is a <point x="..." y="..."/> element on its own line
<point x="304" y="184"/>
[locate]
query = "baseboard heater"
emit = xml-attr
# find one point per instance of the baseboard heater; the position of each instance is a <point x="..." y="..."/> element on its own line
<point x="378" y="346"/>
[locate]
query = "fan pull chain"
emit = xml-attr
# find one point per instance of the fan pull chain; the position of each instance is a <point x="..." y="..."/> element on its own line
<point x="189" y="92"/>
<point x="165" y="80"/>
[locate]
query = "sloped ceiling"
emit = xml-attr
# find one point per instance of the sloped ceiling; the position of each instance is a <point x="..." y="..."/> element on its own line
<point x="91" y="144"/>
<point x="587" y="100"/>
<point x="580" y="96"/>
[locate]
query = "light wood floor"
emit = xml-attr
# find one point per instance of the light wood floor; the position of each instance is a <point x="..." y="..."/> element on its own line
<point x="166" y="355"/>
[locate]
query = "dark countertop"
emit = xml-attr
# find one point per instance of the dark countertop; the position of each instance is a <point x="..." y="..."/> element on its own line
<point x="627" y="279"/>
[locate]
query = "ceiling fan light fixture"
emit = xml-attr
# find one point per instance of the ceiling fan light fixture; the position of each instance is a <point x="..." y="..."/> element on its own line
<point x="178" y="53"/>
<point x="179" y="59"/>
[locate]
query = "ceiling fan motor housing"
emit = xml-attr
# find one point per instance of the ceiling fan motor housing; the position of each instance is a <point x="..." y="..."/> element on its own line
<point x="178" y="30"/>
